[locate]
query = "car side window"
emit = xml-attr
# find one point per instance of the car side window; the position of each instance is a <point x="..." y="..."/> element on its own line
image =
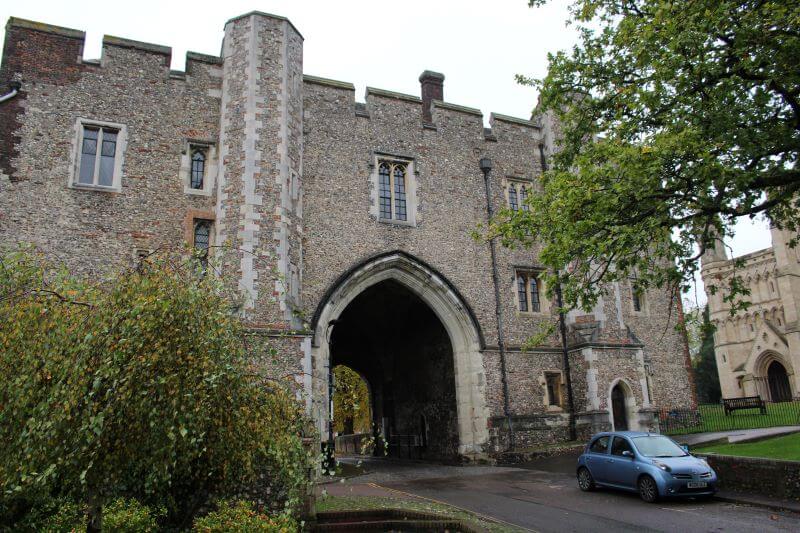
<point x="600" y="445"/>
<point x="620" y="445"/>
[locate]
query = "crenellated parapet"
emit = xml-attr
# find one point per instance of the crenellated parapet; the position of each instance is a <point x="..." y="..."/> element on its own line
<point x="43" y="53"/>
<point x="337" y="98"/>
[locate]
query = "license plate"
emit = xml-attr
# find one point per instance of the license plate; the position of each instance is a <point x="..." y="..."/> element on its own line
<point x="696" y="485"/>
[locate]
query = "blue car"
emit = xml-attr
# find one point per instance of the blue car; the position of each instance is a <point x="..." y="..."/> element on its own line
<point x="652" y="465"/>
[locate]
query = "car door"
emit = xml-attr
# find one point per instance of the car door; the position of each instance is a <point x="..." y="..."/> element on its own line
<point x="623" y="469"/>
<point x="597" y="458"/>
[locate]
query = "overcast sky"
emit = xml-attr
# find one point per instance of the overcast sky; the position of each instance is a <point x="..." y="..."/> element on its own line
<point x="479" y="45"/>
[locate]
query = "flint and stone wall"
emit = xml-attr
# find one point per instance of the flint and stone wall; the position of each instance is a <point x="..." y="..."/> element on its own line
<point x="294" y="203"/>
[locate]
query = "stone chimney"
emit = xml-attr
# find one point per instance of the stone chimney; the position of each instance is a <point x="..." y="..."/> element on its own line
<point x="432" y="89"/>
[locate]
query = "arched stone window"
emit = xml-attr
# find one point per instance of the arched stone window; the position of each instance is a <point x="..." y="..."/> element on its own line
<point x="198" y="170"/>
<point x="534" y="286"/>
<point x="392" y="190"/>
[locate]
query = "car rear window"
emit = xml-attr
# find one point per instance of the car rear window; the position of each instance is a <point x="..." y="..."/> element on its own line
<point x="600" y="445"/>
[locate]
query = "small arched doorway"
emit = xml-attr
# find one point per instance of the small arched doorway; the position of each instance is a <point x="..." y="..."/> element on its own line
<point x="778" y="380"/>
<point x="619" y="408"/>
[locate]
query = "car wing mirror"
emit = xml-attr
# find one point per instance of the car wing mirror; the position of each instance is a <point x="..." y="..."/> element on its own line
<point x="627" y="453"/>
<point x="685" y="447"/>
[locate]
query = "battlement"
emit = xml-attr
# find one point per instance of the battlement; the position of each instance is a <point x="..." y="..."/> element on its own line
<point x="54" y="54"/>
<point x="343" y="93"/>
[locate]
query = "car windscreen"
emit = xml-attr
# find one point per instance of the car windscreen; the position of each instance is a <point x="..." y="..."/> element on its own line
<point x="657" y="446"/>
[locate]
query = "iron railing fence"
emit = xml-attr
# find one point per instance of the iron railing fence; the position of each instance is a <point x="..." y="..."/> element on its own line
<point x="712" y="417"/>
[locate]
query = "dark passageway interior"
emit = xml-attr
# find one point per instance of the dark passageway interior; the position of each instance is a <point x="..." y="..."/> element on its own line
<point x="398" y="344"/>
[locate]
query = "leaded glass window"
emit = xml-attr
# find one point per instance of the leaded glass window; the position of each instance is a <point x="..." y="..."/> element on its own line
<point x="96" y="167"/>
<point x="202" y="240"/>
<point x="512" y="197"/>
<point x="400" y="192"/>
<point x="392" y="190"/>
<point x="523" y="197"/>
<point x="385" y="182"/>
<point x="198" y="170"/>
<point x="534" y="285"/>
<point x="522" y="294"/>
<point x="529" y="288"/>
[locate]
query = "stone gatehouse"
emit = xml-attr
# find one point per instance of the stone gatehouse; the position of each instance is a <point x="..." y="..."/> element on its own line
<point x="346" y="226"/>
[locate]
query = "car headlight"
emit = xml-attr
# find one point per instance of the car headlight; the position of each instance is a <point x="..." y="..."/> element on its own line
<point x="662" y="466"/>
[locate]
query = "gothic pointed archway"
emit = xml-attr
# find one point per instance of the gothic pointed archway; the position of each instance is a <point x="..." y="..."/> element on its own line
<point x="399" y="279"/>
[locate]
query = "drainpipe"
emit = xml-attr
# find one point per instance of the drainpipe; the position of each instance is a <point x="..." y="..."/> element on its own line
<point x="329" y="451"/>
<point x="486" y="167"/>
<point x="15" y="87"/>
<point x="562" y="324"/>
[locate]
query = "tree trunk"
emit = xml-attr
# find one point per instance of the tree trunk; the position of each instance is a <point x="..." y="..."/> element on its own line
<point x="94" y="513"/>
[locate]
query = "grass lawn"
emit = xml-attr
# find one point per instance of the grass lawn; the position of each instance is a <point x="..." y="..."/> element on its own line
<point x="713" y="418"/>
<point x="786" y="447"/>
<point x="363" y="503"/>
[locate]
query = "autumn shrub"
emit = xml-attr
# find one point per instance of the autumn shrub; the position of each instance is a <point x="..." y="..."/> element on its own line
<point x="240" y="517"/>
<point x="135" y="385"/>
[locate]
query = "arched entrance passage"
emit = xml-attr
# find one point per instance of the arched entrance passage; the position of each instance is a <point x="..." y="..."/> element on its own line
<point x="619" y="409"/>
<point x="778" y="380"/>
<point x="401" y="280"/>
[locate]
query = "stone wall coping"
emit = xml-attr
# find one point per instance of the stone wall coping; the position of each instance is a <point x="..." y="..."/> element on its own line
<point x="515" y="120"/>
<point x="307" y="78"/>
<point x="46" y="28"/>
<point x="751" y="460"/>
<point x="459" y="108"/>
<point x="204" y="58"/>
<point x="267" y="15"/>
<point x="372" y="91"/>
<point x="138" y="45"/>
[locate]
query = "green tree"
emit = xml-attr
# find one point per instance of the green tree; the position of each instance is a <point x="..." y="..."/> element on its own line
<point x="351" y="409"/>
<point x="676" y="119"/>
<point x="706" y="377"/>
<point x="138" y="385"/>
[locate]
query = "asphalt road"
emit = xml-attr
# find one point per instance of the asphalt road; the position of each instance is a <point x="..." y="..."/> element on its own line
<point x="544" y="497"/>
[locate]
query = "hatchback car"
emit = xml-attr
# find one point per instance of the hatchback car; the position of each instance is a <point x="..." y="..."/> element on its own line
<point x="652" y="465"/>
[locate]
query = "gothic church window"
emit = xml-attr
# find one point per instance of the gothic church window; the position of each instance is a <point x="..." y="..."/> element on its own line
<point x="202" y="241"/>
<point x="517" y="194"/>
<point x="198" y="170"/>
<point x="198" y="167"/>
<point x="529" y="290"/>
<point x="392" y="183"/>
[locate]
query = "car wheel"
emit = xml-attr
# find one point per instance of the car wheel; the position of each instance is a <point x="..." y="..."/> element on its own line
<point x="585" y="480"/>
<point x="648" y="490"/>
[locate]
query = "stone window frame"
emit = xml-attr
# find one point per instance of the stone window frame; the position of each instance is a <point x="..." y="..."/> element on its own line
<point x="544" y="302"/>
<point x="644" y="307"/>
<point x="119" y="155"/>
<point x="189" y="221"/>
<point x="547" y="376"/>
<point x="517" y="183"/>
<point x="210" y="167"/>
<point x="412" y="209"/>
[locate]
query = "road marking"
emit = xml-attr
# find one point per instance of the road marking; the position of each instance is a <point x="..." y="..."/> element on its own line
<point x="485" y="517"/>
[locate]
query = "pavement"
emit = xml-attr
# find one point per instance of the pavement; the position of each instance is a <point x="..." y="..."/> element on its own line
<point x="542" y="496"/>
<point x="738" y="435"/>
